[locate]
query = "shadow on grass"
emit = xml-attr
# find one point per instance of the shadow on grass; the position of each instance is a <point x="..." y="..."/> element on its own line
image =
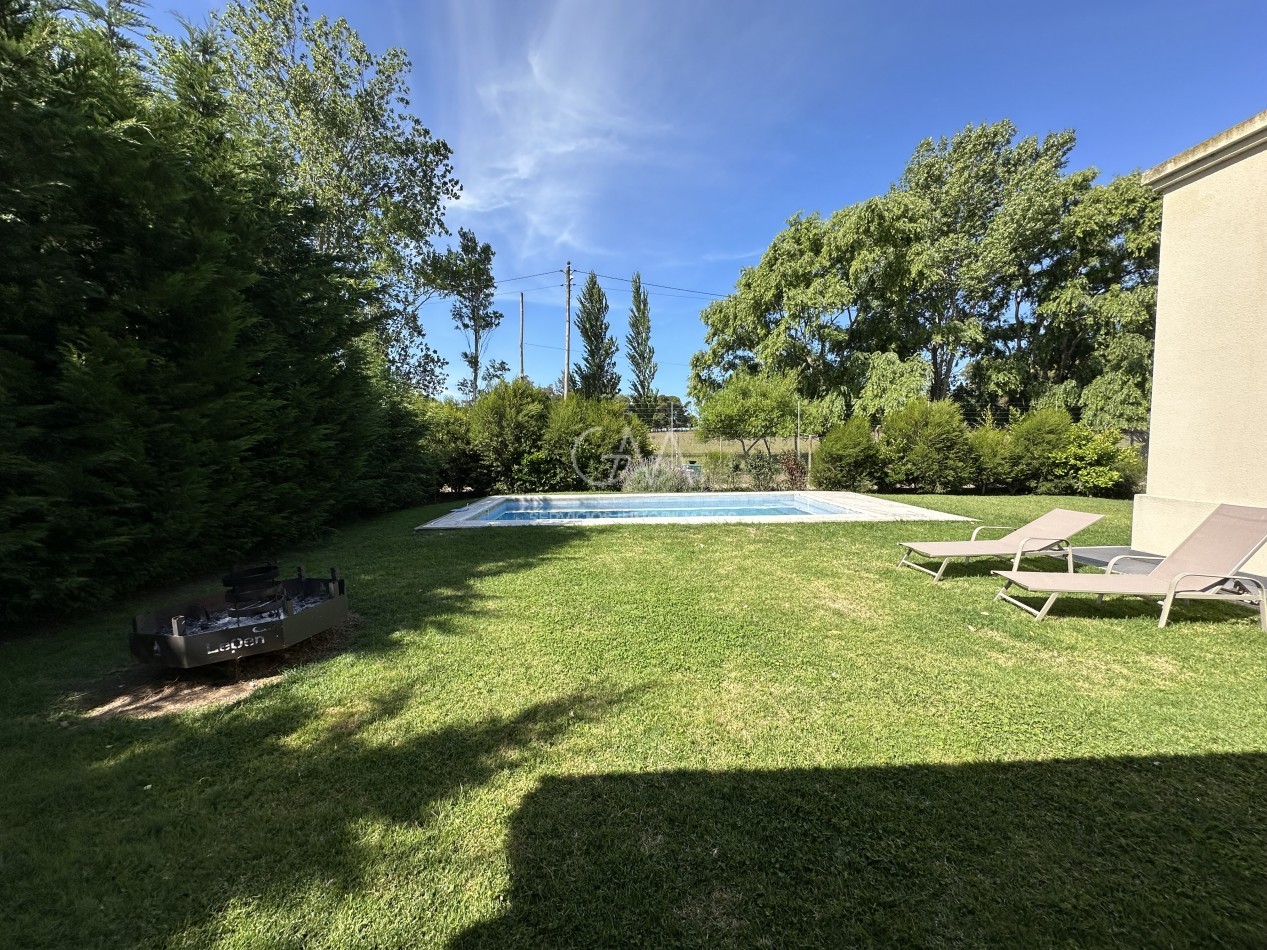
<point x="1166" y="852"/>
<point x="397" y="581"/>
<point x="1131" y="608"/>
<point x="453" y="565"/>
<point x="172" y="823"/>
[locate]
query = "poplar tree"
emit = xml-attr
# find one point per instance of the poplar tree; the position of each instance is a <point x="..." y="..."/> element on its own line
<point x="595" y="374"/>
<point x="638" y="348"/>
<point x="473" y="307"/>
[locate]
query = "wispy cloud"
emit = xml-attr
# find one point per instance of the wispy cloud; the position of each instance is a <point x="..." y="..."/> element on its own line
<point x="726" y="257"/>
<point x="546" y="114"/>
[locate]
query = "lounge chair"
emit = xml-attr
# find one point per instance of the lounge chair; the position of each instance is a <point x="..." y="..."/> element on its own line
<point x="1047" y="536"/>
<point x="1203" y="567"/>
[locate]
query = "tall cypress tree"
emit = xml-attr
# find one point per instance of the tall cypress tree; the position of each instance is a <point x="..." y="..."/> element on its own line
<point x="595" y="375"/>
<point x="641" y="354"/>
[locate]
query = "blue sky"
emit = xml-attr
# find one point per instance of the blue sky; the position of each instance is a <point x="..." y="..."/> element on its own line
<point x="675" y="138"/>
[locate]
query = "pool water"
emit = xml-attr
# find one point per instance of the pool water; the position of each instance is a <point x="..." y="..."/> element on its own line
<point x="663" y="506"/>
<point x="775" y="507"/>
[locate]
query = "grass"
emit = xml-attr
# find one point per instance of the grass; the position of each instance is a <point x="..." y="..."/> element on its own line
<point x="659" y="735"/>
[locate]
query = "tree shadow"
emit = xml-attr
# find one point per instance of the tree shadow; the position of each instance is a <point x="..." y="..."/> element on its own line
<point x="458" y="562"/>
<point x="150" y="831"/>
<point x="1123" y="851"/>
<point x="397" y="582"/>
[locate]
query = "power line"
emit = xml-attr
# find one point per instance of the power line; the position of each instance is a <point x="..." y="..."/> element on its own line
<point x="685" y="290"/>
<point x="507" y="280"/>
<point x="512" y="293"/>
<point x="659" y="362"/>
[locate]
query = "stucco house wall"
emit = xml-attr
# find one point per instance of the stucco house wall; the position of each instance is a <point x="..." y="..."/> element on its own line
<point x="1208" y="435"/>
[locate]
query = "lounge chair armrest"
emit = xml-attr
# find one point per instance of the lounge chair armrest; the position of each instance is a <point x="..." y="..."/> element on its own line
<point x="1108" y="569"/>
<point x="990" y="527"/>
<point x="1056" y="543"/>
<point x="1179" y="578"/>
<point x="1051" y="542"/>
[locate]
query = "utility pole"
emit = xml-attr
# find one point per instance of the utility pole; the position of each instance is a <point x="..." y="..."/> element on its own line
<point x="521" y="334"/>
<point x="567" y="333"/>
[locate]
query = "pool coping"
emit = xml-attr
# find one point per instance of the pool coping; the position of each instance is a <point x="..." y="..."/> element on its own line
<point x="876" y="510"/>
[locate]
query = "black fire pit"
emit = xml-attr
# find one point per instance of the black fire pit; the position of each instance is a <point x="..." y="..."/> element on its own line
<point x="257" y="613"/>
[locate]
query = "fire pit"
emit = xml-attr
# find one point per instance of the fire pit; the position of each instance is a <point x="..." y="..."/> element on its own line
<point x="257" y="613"/>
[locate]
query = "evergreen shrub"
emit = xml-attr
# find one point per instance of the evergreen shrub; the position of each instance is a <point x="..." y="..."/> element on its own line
<point x="994" y="471"/>
<point x="1035" y="438"/>
<point x="924" y="447"/>
<point x="848" y="458"/>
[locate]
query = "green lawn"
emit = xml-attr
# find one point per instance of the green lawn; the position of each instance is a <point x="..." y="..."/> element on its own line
<point x="704" y="736"/>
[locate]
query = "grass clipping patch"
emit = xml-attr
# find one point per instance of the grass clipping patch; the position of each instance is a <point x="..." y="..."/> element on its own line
<point x="144" y="692"/>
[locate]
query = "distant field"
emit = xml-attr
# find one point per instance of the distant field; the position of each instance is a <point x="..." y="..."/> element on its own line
<point x="691" y="445"/>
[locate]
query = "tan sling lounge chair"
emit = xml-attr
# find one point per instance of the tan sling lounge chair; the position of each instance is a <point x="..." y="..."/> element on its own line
<point x="1203" y="567"/>
<point x="1048" y="536"/>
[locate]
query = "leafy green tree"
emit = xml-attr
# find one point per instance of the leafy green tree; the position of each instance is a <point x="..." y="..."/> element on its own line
<point x="891" y="383"/>
<point x="336" y="117"/>
<point x="180" y="365"/>
<point x="595" y="374"/>
<point x="800" y="311"/>
<point x="989" y="260"/>
<point x="638" y="349"/>
<point x="974" y="215"/>
<point x="473" y="311"/>
<point x="1087" y="308"/>
<point x="750" y="409"/>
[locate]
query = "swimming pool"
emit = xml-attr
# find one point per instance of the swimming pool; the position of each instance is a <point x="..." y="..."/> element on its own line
<point x="684" y="508"/>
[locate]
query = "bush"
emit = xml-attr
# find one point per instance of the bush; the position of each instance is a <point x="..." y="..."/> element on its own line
<point x="763" y="471"/>
<point x="721" y="470"/>
<point x="583" y="445"/>
<point x="507" y="424"/>
<point x="462" y="468"/>
<point x="924" y="446"/>
<point x="1036" y="437"/>
<point x="657" y="475"/>
<point x="793" y="470"/>
<point x="1133" y="468"/>
<point x="1091" y="463"/>
<point x="992" y="452"/>
<point x="848" y="458"/>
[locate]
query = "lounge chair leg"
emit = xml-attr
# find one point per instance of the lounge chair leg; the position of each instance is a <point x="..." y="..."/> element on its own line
<point x="1262" y="611"/>
<point x="1002" y="590"/>
<point x="1165" y="610"/>
<point x="1069" y="552"/>
<point x="940" y="570"/>
<point x="1046" y="607"/>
